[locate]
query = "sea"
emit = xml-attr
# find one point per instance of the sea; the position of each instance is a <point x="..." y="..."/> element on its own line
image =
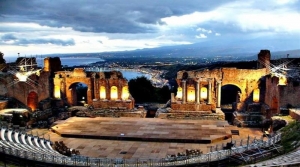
<point x="82" y="61"/>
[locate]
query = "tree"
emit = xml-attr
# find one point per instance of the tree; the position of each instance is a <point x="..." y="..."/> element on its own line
<point x="163" y="94"/>
<point x="141" y="89"/>
<point x="2" y="60"/>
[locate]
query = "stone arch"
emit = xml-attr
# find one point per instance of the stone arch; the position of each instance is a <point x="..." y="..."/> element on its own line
<point x="203" y="93"/>
<point x="229" y="94"/>
<point x="32" y="100"/>
<point x="113" y="93"/>
<point x="191" y="94"/>
<point x="125" y="93"/>
<point x="179" y="93"/>
<point x="77" y="98"/>
<point x="57" y="93"/>
<point x="256" y="94"/>
<point x="102" y="91"/>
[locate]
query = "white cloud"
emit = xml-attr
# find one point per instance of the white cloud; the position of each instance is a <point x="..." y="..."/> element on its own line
<point x="253" y="18"/>
<point x="201" y="36"/>
<point x="204" y="30"/>
<point x="283" y="2"/>
<point x="247" y="15"/>
<point x="84" y="42"/>
<point x="189" y="19"/>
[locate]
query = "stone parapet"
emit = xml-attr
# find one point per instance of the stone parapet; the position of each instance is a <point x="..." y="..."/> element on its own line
<point x="191" y="107"/>
<point x="114" y="104"/>
<point x="201" y="115"/>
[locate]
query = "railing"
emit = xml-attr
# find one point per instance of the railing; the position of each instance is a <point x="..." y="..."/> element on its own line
<point x="178" y="161"/>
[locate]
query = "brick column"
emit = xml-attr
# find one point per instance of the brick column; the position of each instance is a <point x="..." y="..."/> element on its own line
<point x="172" y="97"/>
<point x="183" y="91"/>
<point x="197" y="92"/>
<point x="219" y="84"/>
<point x="209" y="92"/>
<point x="200" y="86"/>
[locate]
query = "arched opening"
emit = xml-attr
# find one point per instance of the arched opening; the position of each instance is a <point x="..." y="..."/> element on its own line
<point x="191" y="94"/>
<point x="102" y="93"/>
<point x="57" y="92"/>
<point x="32" y="100"/>
<point x="256" y="93"/>
<point x="179" y="93"/>
<point x="125" y="93"/>
<point x="78" y="93"/>
<point x="113" y="93"/>
<point x="203" y="93"/>
<point x="229" y="95"/>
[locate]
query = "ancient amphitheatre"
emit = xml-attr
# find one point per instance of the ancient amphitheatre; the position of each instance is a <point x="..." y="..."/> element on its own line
<point x="194" y="119"/>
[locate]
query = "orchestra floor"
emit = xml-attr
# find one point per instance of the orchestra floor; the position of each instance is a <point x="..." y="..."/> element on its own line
<point x="129" y="138"/>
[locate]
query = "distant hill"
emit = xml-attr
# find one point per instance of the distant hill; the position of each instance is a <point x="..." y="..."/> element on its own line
<point x="242" y="50"/>
<point x="284" y="54"/>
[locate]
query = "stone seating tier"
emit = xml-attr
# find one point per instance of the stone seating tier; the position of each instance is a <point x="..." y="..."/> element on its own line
<point x="22" y="141"/>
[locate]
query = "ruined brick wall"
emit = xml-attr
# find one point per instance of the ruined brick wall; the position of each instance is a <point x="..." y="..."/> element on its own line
<point x="65" y="79"/>
<point x="37" y="85"/>
<point x="289" y="95"/>
<point x="129" y="104"/>
<point x="263" y="57"/>
<point x="214" y="73"/>
<point x="4" y="80"/>
<point x="93" y="80"/>
<point x="192" y="107"/>
<point x="272" y="96"/>
<point x="281" y="96"/>
<point x="44" y="85"/>
<point x="52" y="64"/>
<point x="245" y="79"/>
<point x="21" y="90"/>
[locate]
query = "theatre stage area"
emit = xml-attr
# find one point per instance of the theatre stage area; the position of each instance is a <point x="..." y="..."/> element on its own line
<point x="144" y="129"/>
<point x="118" y="147"/>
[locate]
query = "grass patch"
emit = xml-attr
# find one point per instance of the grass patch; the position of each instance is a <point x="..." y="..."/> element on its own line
<point x="290" y="136"/>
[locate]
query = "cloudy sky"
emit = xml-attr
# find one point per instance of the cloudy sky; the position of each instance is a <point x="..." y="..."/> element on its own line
<point x="34" y="27"/>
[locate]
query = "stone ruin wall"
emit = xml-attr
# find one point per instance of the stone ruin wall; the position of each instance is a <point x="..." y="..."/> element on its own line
<point x="272" y="94"/>
<point x="5" y="78"/>
<point x="202" y="76"/>
<point x="246" y="79"/>
<point x="282" y="96"/>
<point x="52" y="64"/>
<point x="115" y="78"/>
<point x="94" y="80"/>
<point x="21" y="90"/>
<point x="289" y="95"/>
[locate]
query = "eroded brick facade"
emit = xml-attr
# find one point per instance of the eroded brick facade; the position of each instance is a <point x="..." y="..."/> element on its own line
<point x="204" y="87"/>
<point x="104" y="89"/>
